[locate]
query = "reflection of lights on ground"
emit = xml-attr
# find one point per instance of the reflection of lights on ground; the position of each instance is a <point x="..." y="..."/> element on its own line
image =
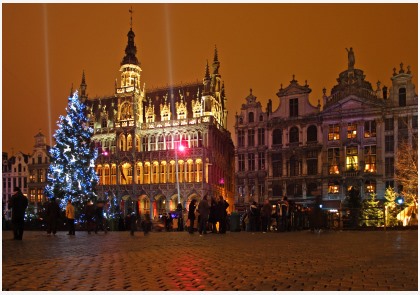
<point x="190" y="272"/>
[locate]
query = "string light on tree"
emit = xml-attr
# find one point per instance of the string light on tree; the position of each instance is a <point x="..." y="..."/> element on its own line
<point x="71" y="174"/>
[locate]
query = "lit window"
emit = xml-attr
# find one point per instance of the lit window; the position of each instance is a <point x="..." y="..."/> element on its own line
<point x="334" y="132"/>
<point x="370" y="158"/>
<point x="370" y="129"/>
<point x="351" y="130"/>
<point x="333" y="160"/>
<point x="352" y="159"/>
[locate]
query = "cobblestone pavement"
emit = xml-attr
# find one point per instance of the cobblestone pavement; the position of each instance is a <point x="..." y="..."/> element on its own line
<point x="336" y="260"/>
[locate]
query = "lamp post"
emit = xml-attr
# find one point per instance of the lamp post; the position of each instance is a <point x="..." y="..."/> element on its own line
<point x="181" y="149"/>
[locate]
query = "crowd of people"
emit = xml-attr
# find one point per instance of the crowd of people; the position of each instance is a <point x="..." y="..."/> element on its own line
<point x="205" y="217"/>
<point x="280" y="217"/>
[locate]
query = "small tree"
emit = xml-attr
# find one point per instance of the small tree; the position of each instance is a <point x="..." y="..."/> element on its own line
<point x="71" y="174"/>
<point x="406" y="170"/>
<point x="372" y="213"/>
<point x="392" y="209"/>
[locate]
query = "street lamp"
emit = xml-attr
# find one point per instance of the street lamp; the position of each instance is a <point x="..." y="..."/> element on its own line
<point x="181" y="149"/>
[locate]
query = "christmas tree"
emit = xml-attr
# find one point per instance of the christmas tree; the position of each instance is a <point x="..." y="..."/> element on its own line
<point x="71" y="174"/>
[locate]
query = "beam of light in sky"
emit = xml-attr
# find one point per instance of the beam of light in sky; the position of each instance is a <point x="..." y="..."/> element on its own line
<point x="47" y="73"/>
<point x="169" y="54"/>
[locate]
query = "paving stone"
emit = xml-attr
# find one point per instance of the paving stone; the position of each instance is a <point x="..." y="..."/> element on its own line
<point x="177" y="261"/>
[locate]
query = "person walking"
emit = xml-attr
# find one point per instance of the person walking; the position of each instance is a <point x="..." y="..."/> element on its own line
<point x="70" y="217"/>
<point x="191" y="215"/>
<point x="53" y="213"/>
<point x="266" y="216"/>
<point x="222" y="213"/>
<point x="204" y="211"/>
<point x="90" y="214"/>
<point x="213" y="215"/>
<point x="18" y="205"/>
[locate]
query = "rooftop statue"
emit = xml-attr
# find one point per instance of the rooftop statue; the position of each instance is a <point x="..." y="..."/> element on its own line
<point x="351" y="58"/>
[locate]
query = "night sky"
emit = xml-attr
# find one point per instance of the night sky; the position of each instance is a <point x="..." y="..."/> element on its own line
<point x="46" y="47"/>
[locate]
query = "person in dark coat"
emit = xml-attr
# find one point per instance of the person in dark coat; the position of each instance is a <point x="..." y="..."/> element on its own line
<point x="90" y="214"/>
<point x="222" y="213"/>
<point x="253" y="215"/>
<point x="53" y="213"/>
<point x="204" y="211"/>
<point x="266" y="216"/>
<point x="18" y="205"/>
<point x="191" y="215"/>
<point x="99" y="216"/>
<point x="213" y="215"/>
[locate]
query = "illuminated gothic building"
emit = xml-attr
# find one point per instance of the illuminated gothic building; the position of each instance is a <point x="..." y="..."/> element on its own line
<point x="140" y="134"/>
<point x="303" y="151"/>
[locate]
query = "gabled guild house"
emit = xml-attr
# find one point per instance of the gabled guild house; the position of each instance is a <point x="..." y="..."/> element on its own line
<point x="305" y="151"/>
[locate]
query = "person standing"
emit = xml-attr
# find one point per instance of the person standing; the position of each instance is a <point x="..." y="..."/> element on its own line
<point x="284" y="214"/>
<point x="90" y="214"/>
<point x="222" y="213"/>
<point x="191" y="215"/>
<point x="53" y="213"/>
<point x="253" y="215"/>
<point x="213" y="215"/>
<point x="18" y="205"/>
<point x="99" y="216"/>
<point x="266" y="216"/>
<point x="70" y="217"/>
<point x="204" y="211"/>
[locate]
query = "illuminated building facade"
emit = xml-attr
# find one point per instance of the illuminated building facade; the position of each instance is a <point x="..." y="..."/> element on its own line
<point x="15" y="173"/>
<point x="303" y="151"/>
<point x="38" y="165"/>
<point x="139" y="132"/>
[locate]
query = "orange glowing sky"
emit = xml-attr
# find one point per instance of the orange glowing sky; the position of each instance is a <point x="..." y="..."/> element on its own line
<point x="260" y="46"/>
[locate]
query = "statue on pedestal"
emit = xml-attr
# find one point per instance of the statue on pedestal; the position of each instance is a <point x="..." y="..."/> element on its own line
<point x="351" y="58"/>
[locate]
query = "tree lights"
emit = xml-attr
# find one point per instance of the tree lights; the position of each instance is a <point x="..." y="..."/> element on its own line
<point x="71" y="174"/>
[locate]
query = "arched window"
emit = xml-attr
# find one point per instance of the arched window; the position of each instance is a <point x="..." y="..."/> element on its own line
<point x="129" y="142"/>
<point x="251" y="117"/>
<point x="277" y="136"/>
<point x="261" y="118"/>
<point x="312" y="134"/>
<point x="294" y="135"/>
<point x="402" y="97"/>
<point x="122" y="143"/>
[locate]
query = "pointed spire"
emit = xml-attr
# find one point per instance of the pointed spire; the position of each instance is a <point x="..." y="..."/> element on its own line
<point x="216" y="59"/>
<point x="216" y="63"/>
<point x="71" y="90"/>
<point x="83" y="86"/>
<point x="130" y="49"/>
<point x="207" y="74"/>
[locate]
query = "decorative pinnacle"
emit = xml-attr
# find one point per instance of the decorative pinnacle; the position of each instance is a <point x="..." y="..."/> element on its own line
<point x="131" y="16"/>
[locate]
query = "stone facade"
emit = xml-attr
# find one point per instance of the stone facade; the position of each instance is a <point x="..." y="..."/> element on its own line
<point x="303" y="151"/>
<point x="139" y="132"/>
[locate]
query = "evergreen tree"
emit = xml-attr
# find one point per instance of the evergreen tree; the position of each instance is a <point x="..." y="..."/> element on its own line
<point x="391" y="207"/>
<point x="71" y="174"/>
<point x="372" y="214"/>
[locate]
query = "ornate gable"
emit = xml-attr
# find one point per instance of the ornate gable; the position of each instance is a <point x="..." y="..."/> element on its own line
<point x="294" y="88"/>
<point x="150" y="112"/>
<point x="181" y="108"/>
<point x="165" y="110"/>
